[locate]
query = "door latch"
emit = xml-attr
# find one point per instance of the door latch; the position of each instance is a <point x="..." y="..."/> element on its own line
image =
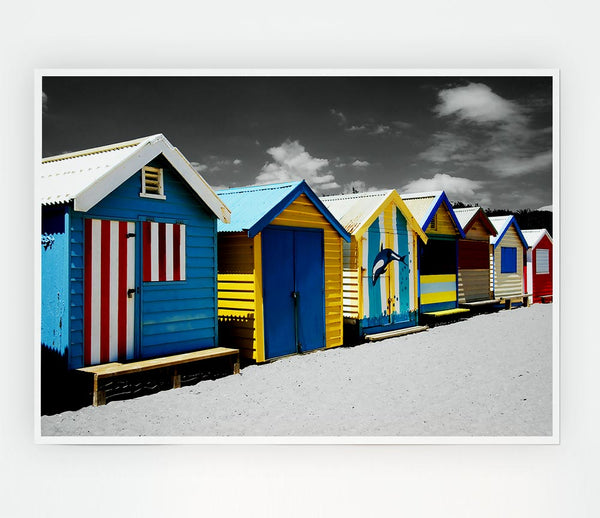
<point x="131" y="291"/>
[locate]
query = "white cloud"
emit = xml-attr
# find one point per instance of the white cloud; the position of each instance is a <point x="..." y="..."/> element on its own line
<point x="361" y="163"/>
<point x="487" y="131"/>
<point x="477" y="102"/>
<point x="199" y="167"/>
<point x="448" y="146"/>
<point x="292" y="162"/>
<point x="514" y="166"/>
<point x="456" y="188"/>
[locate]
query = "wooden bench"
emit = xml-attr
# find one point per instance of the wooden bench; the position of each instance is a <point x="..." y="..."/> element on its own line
<point x="107" y="370"/>
<point x="478" y="303"/>
<point x="446" y="312"/>
<point x="508" y="301"/>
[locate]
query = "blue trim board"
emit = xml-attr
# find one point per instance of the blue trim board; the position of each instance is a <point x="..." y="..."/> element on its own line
<point x="510" y="222"/>
<point x="437" y="287"/>
<point x="436" y="205"/>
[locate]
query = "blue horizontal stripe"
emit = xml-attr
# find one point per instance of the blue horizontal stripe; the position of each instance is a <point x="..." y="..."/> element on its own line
<point x="436" y="287"/>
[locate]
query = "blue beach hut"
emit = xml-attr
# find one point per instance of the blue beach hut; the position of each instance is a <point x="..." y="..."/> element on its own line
<point x="128" y="255"/>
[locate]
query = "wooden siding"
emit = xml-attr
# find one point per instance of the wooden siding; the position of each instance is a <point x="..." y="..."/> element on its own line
<point x="173" y="317"/>
<point x="237" y="292"/>
<point x="478" y="232"/>
<point x="302" y="213"/>
<point x="473" y="285"/>
<point x="444" y="223"/>
<point x="508" y="284"/>
<point x="55" y="280"/>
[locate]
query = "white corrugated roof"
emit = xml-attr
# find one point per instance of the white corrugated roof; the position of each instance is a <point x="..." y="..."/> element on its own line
<point x="465" y="215"/>
<point x="85" y="177"/>
<point x="420" y="204"/>
<point x="353" y="210"/>
<point x="63" y="177"/>
<point x="534" y="236"/>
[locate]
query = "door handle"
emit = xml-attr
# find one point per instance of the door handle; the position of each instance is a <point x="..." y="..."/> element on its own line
<point x="131" y="291"/>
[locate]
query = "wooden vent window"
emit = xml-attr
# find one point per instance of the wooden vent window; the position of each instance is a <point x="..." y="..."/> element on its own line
<point x="152" y="183"/>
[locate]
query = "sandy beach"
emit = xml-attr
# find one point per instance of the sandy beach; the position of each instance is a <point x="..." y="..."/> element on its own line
<point x="489" y="375"/>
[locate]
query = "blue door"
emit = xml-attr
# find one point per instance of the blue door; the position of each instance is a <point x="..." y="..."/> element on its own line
<point x="293" y="290"/>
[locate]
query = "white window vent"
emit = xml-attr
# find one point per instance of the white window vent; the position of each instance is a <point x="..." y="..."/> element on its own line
<point x="152" y="183"/>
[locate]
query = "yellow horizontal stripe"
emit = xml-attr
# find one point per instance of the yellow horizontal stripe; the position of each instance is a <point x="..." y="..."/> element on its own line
<point x="235" y="277"/>
<point x="442" y="296"/>
<point x="438" y="278"/>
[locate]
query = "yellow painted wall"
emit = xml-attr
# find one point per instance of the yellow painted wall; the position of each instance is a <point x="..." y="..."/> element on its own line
<point x="302" y="213"/>
<point x="508" y="284"/>
<point x="444" y="225"/>
<point x="237" y="292"/>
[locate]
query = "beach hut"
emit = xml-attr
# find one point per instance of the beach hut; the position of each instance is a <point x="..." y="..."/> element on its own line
<point x="474" y="251"/>
<point x="509" y="249"/>
<point x="380" y="267"/>
<point x="279" y="271"/>
<point x="438" y="263"/>
<point x="538" y="269"/>
<point x="128" y="255"/>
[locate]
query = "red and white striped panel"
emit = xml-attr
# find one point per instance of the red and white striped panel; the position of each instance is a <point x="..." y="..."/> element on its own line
<point x="164" y="251"/>
<point x="109" y="273"/>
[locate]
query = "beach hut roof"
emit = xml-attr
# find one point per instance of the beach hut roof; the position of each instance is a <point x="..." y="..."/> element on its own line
<point x="502" y="224"/>
<point x="86" y="177"/>
<point x="469" y="215"/>
<point x="533" y="237"/>
<point x="424" y="205"/>
<point x="254" y="207"/>
<point x="357" y="211"/>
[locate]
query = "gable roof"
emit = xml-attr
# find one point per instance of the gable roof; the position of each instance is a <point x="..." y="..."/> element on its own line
<point x="357" y="211"/>
<point x="86" y="177"/>
<point x="469" y="215"/>
<point x="533" y="237"/>
<point x="424" y="205"/>
<point x="254" y="207"/>
<point x="502" y="224"/>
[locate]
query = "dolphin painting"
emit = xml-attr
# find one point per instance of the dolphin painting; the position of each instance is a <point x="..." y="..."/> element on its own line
<point x="382" y="259"/>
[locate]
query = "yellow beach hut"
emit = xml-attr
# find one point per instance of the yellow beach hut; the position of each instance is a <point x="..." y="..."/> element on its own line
<point x="279" y="272"/>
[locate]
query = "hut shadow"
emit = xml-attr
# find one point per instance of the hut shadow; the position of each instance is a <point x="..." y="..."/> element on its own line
<point x="61" y="389"/>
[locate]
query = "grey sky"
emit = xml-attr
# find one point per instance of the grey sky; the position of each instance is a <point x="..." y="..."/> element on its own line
<point x="485" y="140"/>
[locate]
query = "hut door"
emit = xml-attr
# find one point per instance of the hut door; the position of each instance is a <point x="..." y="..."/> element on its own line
<point x="109" y="291"/>
<point x="293" y="296"/>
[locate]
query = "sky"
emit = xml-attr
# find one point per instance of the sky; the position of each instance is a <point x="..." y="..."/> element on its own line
<point x="484" y="140"/>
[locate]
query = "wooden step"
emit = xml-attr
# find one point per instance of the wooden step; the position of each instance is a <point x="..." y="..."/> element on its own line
<point x="446" y="312"/>
<point x="397" y="332"/>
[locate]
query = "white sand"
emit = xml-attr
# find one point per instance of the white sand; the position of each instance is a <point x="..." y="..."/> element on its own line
<point x="490" y="375"/>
